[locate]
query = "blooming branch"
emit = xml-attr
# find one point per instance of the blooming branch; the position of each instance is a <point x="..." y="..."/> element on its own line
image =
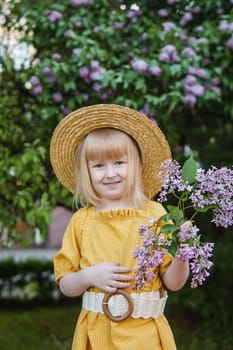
<point x="195" y="191"/>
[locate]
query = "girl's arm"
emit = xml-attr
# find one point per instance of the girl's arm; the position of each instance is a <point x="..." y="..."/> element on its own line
<point x="176" y="275"/>
<point x="105" y="276"/>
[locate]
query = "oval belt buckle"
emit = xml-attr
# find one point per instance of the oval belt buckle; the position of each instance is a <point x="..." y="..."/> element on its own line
<point x="106" y="310"/>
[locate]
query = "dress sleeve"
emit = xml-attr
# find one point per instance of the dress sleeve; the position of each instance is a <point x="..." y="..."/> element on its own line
<point x="67" y="259"/>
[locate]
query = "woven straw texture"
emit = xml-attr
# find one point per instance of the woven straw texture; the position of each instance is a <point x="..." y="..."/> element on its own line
<point x="73" y="128"/>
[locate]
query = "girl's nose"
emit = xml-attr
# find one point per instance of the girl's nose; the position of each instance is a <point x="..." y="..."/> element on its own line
<point x="109" y="171"/>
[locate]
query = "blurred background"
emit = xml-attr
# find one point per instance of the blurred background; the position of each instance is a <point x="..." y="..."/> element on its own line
<point x="172" y="61"/>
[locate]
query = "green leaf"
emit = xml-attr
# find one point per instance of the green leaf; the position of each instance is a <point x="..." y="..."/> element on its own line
<point x="173" y="247"/>
<point x="175" y="214"/>
<point x="165" y="217"/>
<point x="168" y="228"/>
<point x="189" y="170"/>
<point x="140" y="84"/>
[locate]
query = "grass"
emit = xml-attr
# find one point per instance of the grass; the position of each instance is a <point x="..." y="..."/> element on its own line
<point x="39" y="328"/>
<point x="51" y="328"/>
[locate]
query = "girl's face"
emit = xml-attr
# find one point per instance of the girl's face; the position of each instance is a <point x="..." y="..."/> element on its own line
<point x="109" y="178"/>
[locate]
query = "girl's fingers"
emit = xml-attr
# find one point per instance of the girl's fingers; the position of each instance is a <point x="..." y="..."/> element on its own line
<point x="118" y="284"/>
<point x="121" y="269"/>
<point x="121" y="277"/>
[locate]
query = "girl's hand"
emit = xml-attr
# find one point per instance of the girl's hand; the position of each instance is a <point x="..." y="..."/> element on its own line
<point x="109" y="276"/>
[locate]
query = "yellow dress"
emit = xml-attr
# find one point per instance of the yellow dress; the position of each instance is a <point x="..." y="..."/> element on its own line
<point x="93" y="237"/>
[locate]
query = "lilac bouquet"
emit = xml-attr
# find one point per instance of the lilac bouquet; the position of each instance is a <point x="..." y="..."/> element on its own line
<point x="196" y="191"/>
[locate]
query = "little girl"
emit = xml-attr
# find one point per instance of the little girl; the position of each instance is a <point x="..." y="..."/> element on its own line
<point x="110" y="156"/>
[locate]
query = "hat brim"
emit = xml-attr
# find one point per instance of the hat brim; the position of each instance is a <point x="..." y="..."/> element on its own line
<point x="74" y="127"/>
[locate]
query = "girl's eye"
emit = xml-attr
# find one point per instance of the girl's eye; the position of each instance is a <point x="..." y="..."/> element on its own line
<point x="99" y="165"/>
<point x="119" y="162"/>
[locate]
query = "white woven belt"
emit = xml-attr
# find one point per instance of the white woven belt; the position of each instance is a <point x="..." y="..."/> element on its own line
<point x="146" y="304"/>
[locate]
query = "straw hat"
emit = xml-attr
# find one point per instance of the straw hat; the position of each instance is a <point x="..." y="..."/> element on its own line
<point x="74" y="127"/>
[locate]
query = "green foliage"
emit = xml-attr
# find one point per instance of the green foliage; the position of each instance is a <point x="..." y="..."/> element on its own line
<point x="189" y="170"/>
<point x="108" y="52"/>
<point x="29" y="282"/>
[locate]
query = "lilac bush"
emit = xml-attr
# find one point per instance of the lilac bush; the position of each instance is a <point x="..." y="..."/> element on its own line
<point x="177" y="234"/>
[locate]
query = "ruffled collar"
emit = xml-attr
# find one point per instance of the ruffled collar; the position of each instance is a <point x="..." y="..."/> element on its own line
<point x="118" y="213"/>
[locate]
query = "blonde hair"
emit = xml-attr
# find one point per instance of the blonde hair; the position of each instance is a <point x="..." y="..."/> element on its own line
<point x="109" y="143"/>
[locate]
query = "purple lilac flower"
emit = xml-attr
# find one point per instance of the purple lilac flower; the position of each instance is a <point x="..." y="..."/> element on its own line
<point x="77" y="51"/>
<point x="155" y="70"/>
<point x="134" y="14"/>
<point x="76" y="3"/>
<point x="185" y="252"/>
<point x="99" y="89"/>
<point x="191" y="40"/>
<point x="168" y="26"/>
<point x="54" y="16"/>
<point x="65" y="110"/>
<point x="200" y="263"/>
<point x="36" y="86"/>
<point x="199" y="72"/>
<point x="37" y="90"/>
<point x="164" y="57"/>
<point x="230" y="43"/>
<point x="196" y="89"/>
<point x="216" y="81"/>
<point x="85" y="97"/>
<point x="199" y="29"/>
<point x="93" y="73"/>
<point x="191" y="87"/>
<point x="149" y="114"/>
<point x="169" y="54"/>
<point x="190" y="80"/>
<point x="188" y="52"/>
<point x="163" y="12"/>
<point x="35" y="81"/>
<point x="50" y="74"/>
<point x="193" y="250"/>
<point x="56" y="57"/>
<point x="57" y="97"/>
<point x="214" y="88"/>
<point x="224" y="25"/>
<point x="106" y="94"/>
<point x="118" y="25"/>
<point x="148" y="256"/>
<point x="187" y="17"/>
<point x="139" y="65"/>
<point x="171" y="179"/>
<point x="47" y="70"/>
<point x="194" y="9"/>
<point x="85" y="74"/>
<point x="190" y="100"/>
<point x="187" y="231"/>
<point x="171" y="2"/>
<point x="96" y="70"/>
<point x="68" y="34"/>
<point x="215" y="188"/>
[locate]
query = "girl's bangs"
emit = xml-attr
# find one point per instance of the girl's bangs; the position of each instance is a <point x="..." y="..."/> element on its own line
<point x="106" y="144"/>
